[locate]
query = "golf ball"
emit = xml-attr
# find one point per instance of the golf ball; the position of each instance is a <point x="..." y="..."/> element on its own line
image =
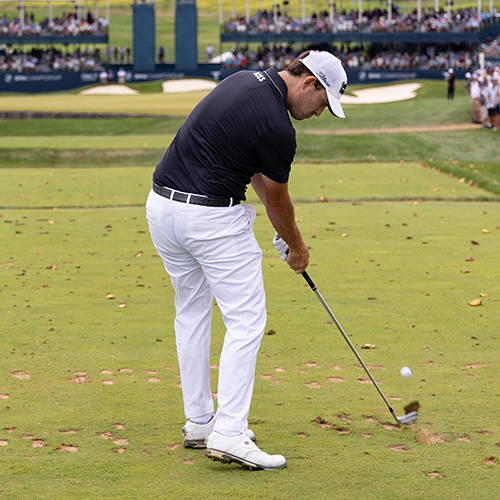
<point x="405" y="372"/>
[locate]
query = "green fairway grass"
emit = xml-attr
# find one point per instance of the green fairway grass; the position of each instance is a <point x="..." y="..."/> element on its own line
<point x="113" y="186"/>
<point x="155" y="141"/>
<point x="403" y="231"/>
<point x="149" y="103"/>
<point x="394" y="282"/>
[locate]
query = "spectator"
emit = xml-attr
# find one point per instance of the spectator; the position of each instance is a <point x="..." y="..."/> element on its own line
<point x="452" y="81"/>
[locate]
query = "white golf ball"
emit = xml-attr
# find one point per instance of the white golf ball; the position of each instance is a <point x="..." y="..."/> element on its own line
<point x="405" y="372"/>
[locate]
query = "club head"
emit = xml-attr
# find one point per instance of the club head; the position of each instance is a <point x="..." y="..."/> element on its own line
<point x="408" y="419"/>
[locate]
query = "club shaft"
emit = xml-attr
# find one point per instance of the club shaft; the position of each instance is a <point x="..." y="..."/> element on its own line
<point x="346" y="338"/>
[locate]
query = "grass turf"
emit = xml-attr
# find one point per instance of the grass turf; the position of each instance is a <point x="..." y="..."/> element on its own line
<point x="395" y="282"/>
<point x="100" y="414"/>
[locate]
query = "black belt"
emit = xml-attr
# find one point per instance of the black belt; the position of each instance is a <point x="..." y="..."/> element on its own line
<point x="193" y="199"/>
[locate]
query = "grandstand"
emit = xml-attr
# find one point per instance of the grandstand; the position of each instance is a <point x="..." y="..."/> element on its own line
<point x="44" y="47"/>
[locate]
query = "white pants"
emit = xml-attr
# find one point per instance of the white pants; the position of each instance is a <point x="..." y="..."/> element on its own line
<point x="211" y="251"/>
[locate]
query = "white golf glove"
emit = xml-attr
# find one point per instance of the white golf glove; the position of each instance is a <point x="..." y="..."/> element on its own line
<point x="281" y="246"/>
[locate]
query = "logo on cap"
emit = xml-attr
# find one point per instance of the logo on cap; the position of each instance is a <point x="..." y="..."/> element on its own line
<point x="324" y="78"/>
<point x="342" y="88"/>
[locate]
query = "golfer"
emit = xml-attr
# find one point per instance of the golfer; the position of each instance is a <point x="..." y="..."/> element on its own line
<point x="238" y="134"/>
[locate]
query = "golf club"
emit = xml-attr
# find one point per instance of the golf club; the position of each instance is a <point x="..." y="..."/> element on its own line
<point x="409" y="417"/>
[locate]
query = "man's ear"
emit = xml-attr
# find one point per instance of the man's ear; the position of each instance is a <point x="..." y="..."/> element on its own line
<point x="308" y="82"/>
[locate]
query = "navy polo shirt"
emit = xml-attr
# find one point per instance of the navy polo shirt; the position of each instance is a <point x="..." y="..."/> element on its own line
<point x="240" y="128"/>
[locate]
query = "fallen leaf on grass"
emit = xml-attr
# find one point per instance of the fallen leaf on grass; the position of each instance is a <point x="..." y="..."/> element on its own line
<point x="485" y="231"/>
<point x="120" y="450"/>
<point x="475" y="302"/>
<point x="484" y="294"/>
<point x="110" y="296"/>
<point x="368" y="346"/>
<point x="465" y="271"/>
<point x="4" y="396"/>
<point x="122" y="305"/>
<point x="469" y="258"/>
<point x="490" y="461"/>
<point x="474" y="242"/>
<point x="21" y="375"/>
<point x="270" y="332"/>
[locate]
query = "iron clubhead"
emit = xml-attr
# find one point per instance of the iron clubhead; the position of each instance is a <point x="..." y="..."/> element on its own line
<point x="408" y="419"/>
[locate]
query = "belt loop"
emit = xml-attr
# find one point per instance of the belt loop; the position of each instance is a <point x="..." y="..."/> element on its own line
<point x="188" y="199"/>
<point x="172" y="192"/>
<point x="230" y="202"/>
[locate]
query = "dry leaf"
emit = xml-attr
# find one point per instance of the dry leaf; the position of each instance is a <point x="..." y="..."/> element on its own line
<point x="110" y="296"/>
<point x="368" y="346"/>
<point x="475" y="302"/>
<point x="469" y="258"/>
<point x="486" y="231"/>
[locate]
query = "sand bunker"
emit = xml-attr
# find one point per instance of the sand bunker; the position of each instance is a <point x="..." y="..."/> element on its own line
<point x="187" y="85"/>
<point x="378" y="95"/>
<point x="109" y="90"/>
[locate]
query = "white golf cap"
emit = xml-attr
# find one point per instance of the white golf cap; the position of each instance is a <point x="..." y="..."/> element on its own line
<point x="329" y="71"/>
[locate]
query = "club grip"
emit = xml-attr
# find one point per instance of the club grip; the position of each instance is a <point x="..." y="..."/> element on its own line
<point x="309" y="281"/>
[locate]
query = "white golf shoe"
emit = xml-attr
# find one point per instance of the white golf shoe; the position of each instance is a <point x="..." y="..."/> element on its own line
<point x="195" y="435"/>
<point x="242" y="450"/>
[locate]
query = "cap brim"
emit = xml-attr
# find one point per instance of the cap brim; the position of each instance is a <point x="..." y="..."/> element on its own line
<point x="334" y="106"/>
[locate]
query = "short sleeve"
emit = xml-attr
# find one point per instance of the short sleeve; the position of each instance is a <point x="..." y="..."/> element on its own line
<point x="276" y="150"/>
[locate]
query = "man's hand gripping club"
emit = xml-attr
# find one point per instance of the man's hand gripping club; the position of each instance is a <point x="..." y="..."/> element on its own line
<point x="291" y="258"/>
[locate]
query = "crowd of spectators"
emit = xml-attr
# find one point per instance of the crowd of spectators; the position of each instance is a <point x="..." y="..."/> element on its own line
<point x="405" y="57"/>
<point x="492" y="49"/>
<point x="376" y="20"/>
<point x="67" y="24"/>
<point x="484" y="88"/>
<point x="37" y="60"/>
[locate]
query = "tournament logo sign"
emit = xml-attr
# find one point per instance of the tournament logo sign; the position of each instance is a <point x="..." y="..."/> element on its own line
<point x="8" y="78"/>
